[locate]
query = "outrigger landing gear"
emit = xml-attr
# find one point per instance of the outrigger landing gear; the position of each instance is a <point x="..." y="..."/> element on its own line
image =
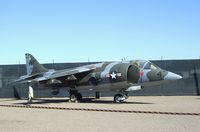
<point x="75" y="96"/>
<point x="30" y="94"/>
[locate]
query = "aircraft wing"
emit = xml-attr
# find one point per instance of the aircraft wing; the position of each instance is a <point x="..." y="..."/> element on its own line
<point x="67" y="75"/>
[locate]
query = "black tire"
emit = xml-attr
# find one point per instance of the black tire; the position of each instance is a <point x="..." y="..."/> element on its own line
<point x="116" y="98"/>
<point x="73" y="97"/>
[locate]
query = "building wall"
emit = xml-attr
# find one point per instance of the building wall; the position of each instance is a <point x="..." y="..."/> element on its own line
<point x="189" y="69"/>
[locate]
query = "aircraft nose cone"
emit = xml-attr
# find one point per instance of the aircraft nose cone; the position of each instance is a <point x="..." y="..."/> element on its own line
<point x="172" y="76"/>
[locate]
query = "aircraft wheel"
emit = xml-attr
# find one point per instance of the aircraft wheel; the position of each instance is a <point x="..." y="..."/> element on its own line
<point x="73" y="98"/>
<point x="118" y="98"/>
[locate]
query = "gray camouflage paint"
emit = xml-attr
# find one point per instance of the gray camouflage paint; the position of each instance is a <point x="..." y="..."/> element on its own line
<point x="111" y="76"/>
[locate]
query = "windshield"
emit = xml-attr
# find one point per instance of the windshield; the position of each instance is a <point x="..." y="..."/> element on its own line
<point x="150" y="65"/>
<point x="146" y="65"/>
<point x="154" y="67"/>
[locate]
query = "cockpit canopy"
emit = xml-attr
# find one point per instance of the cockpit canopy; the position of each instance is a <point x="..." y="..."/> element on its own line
<point x="146" y="65"/>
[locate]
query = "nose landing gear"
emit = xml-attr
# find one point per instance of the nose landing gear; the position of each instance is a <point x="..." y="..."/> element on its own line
<point x="119" y="98"/>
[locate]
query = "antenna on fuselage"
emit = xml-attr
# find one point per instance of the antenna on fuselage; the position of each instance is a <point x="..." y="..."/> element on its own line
<point x="123" y="59"/>
<point x="53" y="64"/>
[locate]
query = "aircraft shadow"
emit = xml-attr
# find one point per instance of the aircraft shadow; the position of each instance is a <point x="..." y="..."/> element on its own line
<point x="85" y="100"/>
<point x="98" y="101"/>
<point x="45" y="101"/>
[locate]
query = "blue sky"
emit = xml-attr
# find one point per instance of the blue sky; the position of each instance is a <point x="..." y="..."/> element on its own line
<point x="104" y="30"/>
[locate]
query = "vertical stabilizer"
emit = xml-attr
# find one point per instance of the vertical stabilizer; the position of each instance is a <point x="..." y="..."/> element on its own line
<point x="33" y="66"/>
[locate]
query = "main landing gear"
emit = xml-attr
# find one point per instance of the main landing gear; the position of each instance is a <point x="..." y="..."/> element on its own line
<point x="75" y="96"/>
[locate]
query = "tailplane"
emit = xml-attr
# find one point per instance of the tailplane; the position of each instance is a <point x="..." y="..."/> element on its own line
<point x="33" y="66"/>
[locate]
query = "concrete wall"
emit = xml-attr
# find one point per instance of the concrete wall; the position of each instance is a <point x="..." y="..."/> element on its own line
<point x="189" y="69"/>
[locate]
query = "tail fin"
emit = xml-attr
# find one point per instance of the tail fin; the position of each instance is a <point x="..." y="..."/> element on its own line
<point x="33" y="66"/>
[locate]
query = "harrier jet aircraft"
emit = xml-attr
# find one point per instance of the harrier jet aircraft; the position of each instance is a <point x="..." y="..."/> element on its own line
<point x="120" y="77"/>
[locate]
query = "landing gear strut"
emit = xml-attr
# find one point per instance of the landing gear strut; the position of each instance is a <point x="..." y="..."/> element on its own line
<point x="75" y="96"/>
<point x="30" y="94"/>
<point x="97" y="95"/>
